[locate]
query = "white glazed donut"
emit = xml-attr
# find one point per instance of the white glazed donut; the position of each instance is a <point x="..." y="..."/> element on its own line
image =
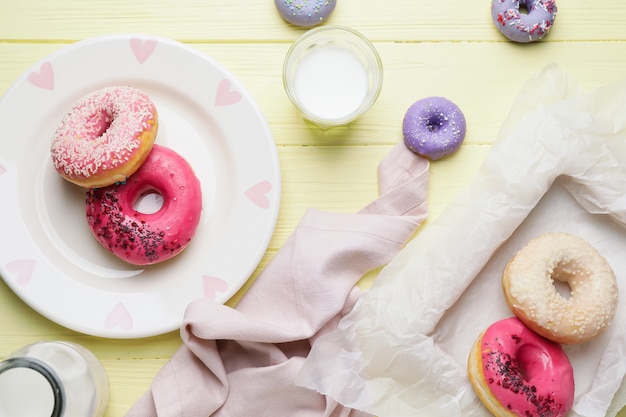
<point x="528" y="283"/>
<point x="523" y="27"/>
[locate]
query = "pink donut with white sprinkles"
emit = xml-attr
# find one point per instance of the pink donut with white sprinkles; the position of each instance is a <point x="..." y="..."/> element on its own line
<point x="105" y="137"/>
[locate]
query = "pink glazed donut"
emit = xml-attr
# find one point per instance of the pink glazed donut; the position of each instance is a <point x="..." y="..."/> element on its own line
<point x="105" y="137"/>
<point x="523" y="27"/>
<point x="139" y="238"/>
<point x="516" y="372"/>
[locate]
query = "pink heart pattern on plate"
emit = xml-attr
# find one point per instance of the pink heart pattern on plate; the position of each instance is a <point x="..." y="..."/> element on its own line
<point x="225" y="96"/>
<point x="142" y="49"/>
<point x="2" y="169"/>
<point x="258" y="194"/>
<point x="213" y="285"/>
<point x="119" y="316"/>
<point x="44" y="78"/>
<point x="23" y="269"/>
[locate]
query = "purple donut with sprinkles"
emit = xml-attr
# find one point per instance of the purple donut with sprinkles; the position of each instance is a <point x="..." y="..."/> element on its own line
<point x="434" y="127"/>
<point x="305" y="12"/>
<point x="523" y="26"/>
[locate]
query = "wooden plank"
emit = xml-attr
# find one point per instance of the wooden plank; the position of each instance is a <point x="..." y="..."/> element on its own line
<point x="428" y="48"/>
<point x="129" y="380"/>
<point x="482" y="78"/>
<point x="245" y="20"/>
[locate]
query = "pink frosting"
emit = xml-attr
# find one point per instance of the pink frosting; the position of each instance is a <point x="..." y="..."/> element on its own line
<point x="528" y="374"/>
<point x="102" y="131"/>
<point x="140" y="238"/>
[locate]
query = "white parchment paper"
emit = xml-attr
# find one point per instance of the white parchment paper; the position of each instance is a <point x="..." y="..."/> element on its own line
<point x="557" y="165"/>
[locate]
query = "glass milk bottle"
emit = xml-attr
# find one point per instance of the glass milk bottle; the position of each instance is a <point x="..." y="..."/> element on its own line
<point x="53" y="379"/>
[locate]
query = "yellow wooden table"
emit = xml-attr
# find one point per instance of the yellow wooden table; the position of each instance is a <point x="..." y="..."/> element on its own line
<point x="446" y="48"/>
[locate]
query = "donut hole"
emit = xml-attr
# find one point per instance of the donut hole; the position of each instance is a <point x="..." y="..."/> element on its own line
<point x="561" y="276"/>
<point x="149" y="202"/>
<point x="532" y="361"/>
<point x="523" y="7"/>
<point x="435" y="122"/>
<point x="101" y="122"/>
<point x="562" y="288"/>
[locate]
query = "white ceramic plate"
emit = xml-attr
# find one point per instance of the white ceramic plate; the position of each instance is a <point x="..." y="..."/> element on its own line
<point x="47" y="253"/>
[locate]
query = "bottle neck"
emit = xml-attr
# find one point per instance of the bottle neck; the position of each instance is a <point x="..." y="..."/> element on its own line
<point x="24" y="378"/>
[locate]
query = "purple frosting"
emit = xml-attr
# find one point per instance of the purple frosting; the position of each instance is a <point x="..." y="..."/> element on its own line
<point x="523" y="27"/>
<point x="305" y="12"/>
<point x="433" y="127"/>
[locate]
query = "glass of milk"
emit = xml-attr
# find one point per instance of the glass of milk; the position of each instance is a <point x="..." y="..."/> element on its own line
<point x="53" y="379"/>
<point x="332" y="74"/>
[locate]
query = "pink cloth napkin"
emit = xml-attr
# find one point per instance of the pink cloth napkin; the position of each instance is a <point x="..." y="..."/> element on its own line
<point x="242" y="361"/>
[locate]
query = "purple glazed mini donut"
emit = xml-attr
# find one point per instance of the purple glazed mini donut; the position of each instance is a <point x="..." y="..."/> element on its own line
<point x="523" y="27"/>
<point x="433" y="127"/>
<point x="305" y="12"/>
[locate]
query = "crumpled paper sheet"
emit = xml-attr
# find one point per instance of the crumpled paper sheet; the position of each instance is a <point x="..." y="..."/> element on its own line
<point x="558" y="164"/>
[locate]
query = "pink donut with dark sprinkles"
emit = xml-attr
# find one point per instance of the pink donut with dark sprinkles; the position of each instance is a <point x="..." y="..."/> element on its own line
<point x="516" y="372"/>
<point x="305" y="13"/>
<point x="148" y="238"/>
<point x="105" y="137"/>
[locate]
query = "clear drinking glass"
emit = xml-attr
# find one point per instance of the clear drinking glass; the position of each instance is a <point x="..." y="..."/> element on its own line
<point x="332" y="74"/>
<point x="53" y="379"/>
